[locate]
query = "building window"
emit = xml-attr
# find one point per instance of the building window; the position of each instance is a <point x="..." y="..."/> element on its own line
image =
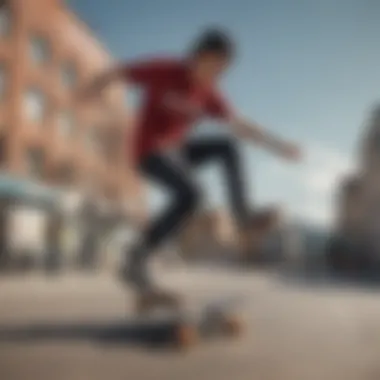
<point x="5" y="19"/>
<point x="35" y="162"/>
<point x="68" y="75"/>
<point x="3" y="151"/>
<point x="65" y="174"/>
<point x="3" y="81"/>
<point x="35" y="105"/>
<point x="66" y="124"/>
<point x="40" y="52"/>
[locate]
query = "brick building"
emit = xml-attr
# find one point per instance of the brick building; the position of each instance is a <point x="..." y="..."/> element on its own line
<point x="210" y="232"/>
<point x="355" y="244"/>
<point x="215" y="233"/>
<point x="358" y="200"/>
<point x="46" y="53"/>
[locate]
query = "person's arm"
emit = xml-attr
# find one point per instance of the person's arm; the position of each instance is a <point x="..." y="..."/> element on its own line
<point x="251" y="131"/>
<point x="248" y="130"/>
<point x="141" y="73"/>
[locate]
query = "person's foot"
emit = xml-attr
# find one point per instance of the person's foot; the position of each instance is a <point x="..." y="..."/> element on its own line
<point x="135" y="277"/>
<point x="264" y="220"/>
<point x="134" y="274"/>
<point x="252" y="237"/>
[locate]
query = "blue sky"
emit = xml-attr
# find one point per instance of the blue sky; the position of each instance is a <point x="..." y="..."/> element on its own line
<point x="308" y="69"/>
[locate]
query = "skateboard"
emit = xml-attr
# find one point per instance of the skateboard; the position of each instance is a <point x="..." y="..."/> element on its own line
<point x="184" y="328"/>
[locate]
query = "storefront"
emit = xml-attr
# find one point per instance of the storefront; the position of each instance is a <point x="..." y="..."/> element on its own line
<point x="42" y="227"/>
<point x="26" y="211"/>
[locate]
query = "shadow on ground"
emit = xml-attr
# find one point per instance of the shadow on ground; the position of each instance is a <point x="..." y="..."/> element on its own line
<point x="147" y="334"/>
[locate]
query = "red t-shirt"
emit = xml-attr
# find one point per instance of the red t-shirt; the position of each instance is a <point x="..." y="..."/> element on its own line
<point x="171" y="103"/>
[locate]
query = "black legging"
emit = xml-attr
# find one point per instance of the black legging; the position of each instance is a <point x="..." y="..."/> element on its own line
<point x="174" y="176"/>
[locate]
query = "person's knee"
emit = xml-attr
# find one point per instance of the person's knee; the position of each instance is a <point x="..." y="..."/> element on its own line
<point x="227" y="149"/>
<point x="189" y="198"/>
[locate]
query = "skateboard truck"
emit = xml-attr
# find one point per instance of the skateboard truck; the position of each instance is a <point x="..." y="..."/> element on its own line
<point x="216" y="319"/>
<point x="184" y="328"/>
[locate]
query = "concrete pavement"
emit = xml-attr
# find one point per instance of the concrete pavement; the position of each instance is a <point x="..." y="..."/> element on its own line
<point x="294" y="332"/>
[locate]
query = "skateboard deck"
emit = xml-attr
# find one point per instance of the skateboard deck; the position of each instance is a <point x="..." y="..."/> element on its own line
<point x="185" y="327"/>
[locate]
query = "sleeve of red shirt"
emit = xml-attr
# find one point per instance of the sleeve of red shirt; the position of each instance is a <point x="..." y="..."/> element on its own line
<point x="218" y="107"/>
<point x="148" y="71"/>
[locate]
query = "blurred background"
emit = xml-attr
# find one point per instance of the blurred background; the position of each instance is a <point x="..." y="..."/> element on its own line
<point x="70" y="201"/>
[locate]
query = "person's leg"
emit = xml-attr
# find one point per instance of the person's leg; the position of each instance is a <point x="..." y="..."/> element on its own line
<point x="184" y="199"/>
<point x="226" y="153"/>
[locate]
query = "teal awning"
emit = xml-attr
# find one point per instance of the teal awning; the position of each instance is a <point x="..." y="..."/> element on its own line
<point x="26" y="190"/>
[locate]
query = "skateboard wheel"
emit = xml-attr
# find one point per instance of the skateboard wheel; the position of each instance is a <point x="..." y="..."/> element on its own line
<point x="233" y="326"/>
<point x="186" y="336"/>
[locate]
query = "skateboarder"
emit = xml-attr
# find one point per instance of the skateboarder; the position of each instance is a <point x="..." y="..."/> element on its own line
<point x="177" y="92"/>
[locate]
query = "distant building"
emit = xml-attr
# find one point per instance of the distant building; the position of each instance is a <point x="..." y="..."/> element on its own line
<point x="359" y="194"/>
<point x="215" y="233"/>
<point x="199" y="235"/>
<point x="357" y="228"/>
<point x="46" y="53"/>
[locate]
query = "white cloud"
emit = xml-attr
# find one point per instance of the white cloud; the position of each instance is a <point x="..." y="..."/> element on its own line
<point x="324" y="168"/>
<point x="307" y="188"/>
<point x="315" y="212"/>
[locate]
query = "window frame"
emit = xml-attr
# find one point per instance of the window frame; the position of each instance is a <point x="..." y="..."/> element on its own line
<point x="66" y="174"/>
<point x="6" y="6"/>
<point x="34" y="36"/>
<point x="69" y="132"/>
<point x="45" y="104"/>
<point x="65" y="66"/>
<point x="4" y="71"/>
<point x="31" y="166"/>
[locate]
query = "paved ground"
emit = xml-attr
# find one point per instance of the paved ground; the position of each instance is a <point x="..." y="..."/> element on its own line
<point x="294" y="333"/>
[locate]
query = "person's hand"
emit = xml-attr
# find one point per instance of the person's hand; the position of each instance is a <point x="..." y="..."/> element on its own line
<point x="291" y="152"/>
